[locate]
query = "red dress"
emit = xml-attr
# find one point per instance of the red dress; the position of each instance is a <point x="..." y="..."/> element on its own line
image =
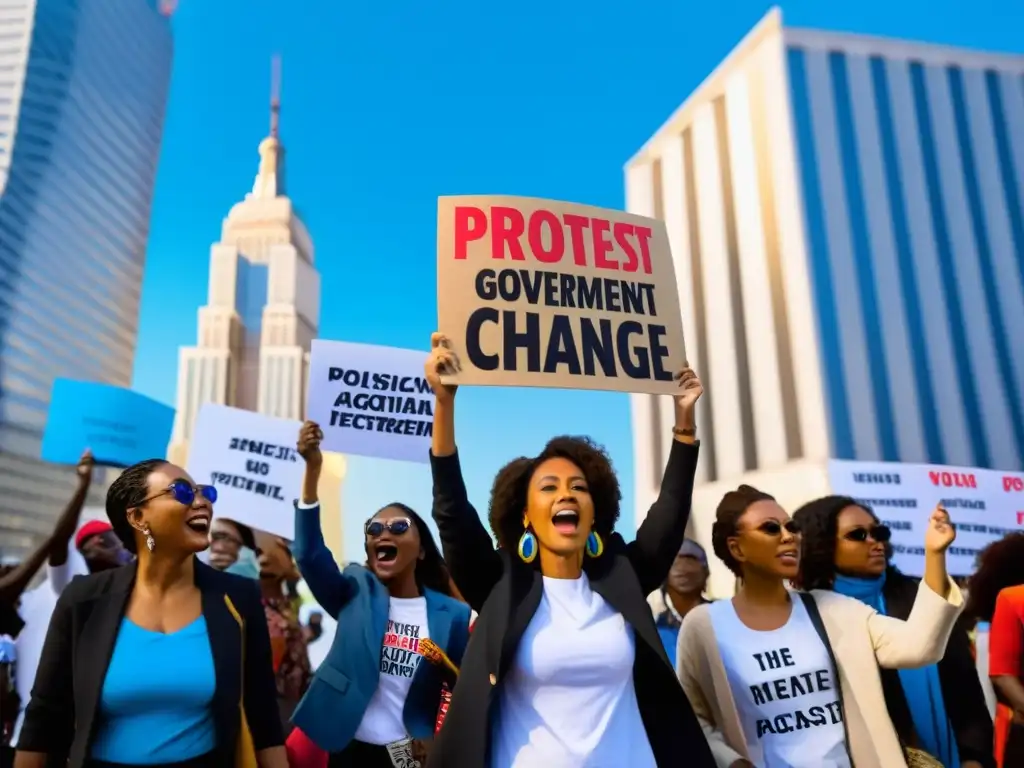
<point x="1005" y="653"/>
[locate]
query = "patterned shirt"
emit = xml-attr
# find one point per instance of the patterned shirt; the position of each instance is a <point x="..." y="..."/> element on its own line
<point x="291" y="660"/>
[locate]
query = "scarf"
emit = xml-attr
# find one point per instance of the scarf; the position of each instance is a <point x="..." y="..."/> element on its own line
<point x="921" y="687"/>
<point x="246" y="565"/>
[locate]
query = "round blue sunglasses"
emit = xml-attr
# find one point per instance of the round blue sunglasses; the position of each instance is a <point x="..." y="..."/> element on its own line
<point x="185" y="493"/>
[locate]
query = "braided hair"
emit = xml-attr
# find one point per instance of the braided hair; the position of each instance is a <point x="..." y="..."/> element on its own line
<point x="727" y="517"/>
<point x="127" y="491"/>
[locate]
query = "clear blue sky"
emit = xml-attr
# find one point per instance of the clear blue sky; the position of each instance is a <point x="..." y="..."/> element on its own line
<point x="387" y="105"/>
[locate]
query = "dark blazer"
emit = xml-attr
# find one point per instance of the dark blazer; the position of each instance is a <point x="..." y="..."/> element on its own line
<point x="958" y="677"/>
<point x="61" y="718"/>
<point x="506" y="592"/>
<point x="334" y="705"/>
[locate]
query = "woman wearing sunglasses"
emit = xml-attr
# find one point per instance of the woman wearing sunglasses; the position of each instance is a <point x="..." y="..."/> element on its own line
<point x="147" y="664"/>
<point x="939" y="708"/>
<point x="373" y="693"/>
<point x="780" y="678"/>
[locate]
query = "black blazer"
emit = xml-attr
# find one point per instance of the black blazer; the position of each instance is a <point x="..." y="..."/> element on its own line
<point x="958" y="677"/>
<point x="505" y="592"/>
<point x="61" y="717"/>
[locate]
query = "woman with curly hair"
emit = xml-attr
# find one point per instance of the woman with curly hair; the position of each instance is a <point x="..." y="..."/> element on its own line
<point x="939" y="708"/>
<point x="996" y="595"/>
<point x="565" y="666"/>
<point x="784" y="678"/>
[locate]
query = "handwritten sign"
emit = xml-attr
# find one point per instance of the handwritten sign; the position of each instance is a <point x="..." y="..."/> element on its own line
<point x="539" y="293"/>
<point x="251" y="459"/>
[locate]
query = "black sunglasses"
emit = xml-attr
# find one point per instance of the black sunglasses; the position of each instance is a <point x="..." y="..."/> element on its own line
<point x="878" y="533"/>
<point x="775" y="528"/>
<point x="396" y="525"/>
<point x="185" y="493"/>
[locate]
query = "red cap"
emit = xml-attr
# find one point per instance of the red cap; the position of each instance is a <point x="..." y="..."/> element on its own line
<point x="92" y="528"/>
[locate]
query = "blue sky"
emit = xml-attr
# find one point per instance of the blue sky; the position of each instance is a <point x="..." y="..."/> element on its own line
<point x="388" y="105"/>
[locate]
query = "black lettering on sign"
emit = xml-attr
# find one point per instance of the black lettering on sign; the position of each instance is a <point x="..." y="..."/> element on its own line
<point x="576" y="345"/>
<point x="382" y="402"/>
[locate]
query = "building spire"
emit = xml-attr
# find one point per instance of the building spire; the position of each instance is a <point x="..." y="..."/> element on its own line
<point x="270" y="179"/>
<point x="275" y="96"/>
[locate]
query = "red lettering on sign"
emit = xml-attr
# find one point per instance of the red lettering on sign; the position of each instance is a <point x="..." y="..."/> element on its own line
<point x="614" y="246"/>
<point x="470" y="224"/>
<point x="953" y="479"/>
<point x="1011" y="484"/>
<point x="1020" y="518"/>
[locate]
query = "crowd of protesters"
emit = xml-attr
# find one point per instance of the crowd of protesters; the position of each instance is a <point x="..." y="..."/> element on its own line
<point x="566" y="645"/>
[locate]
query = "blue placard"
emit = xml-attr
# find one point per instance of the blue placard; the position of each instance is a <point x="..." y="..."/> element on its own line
<point x="119" y="426"/>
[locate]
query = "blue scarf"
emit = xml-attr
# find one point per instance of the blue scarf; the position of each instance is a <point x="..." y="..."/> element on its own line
<point x="921" y="687"/>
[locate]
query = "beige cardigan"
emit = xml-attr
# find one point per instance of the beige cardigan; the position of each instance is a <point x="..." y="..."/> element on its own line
<point x="861" y="639"/>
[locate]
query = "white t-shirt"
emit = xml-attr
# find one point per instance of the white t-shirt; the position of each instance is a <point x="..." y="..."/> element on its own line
<point x="568" y="700"/>
<point x="382" y="722"/>
<point x="36" y="608"/>
<point x="784" y="688"/>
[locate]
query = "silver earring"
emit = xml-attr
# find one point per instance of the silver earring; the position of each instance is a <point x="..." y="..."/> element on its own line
<point x="150" y="541"/>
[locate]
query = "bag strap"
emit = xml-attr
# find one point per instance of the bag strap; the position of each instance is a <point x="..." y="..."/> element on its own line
<point x="819" y="626"/>
<point x="241" y="628"/>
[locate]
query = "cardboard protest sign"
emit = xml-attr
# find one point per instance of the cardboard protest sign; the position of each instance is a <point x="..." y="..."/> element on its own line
<point x="120" y="426"/>
<point x="538" y="293"/>
<point x="371" y="400"/>
<point x="251" y="459"/>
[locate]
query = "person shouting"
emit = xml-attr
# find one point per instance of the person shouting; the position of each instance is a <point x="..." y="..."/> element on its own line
<point x="565" y="666"/>
<point x="371" y="695"/>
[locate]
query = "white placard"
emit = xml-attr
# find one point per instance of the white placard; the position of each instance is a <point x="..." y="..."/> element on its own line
<point x="251" y="459"/>
<point x="371" y="401"/>
<point x="984" y="504"/>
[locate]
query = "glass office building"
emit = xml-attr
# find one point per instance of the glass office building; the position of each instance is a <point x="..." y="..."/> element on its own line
<point x="83" y="90"/>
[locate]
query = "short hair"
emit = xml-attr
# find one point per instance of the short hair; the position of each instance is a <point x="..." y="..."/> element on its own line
<point x="511" y="487"/>
<point x="730" y="509"/>
<point x="127" y="491"/>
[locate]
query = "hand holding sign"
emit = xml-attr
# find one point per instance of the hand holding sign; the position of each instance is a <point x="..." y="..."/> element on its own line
<point x="686" y="400"/>
<point x="308" y="445"/>
<point x="85" y="465"/>
<point x="442" y="361"/>
<point x="941" y="532"/>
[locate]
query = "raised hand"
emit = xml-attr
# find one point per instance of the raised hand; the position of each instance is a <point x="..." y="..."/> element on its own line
<point x="941" y="532"/>
<point x="308" y="445"/>
<point x="690" y="390"/>
<point x="441" y="361"/>
<point x="85" y="465"/>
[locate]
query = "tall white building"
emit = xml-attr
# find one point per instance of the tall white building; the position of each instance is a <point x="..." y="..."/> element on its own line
<point x="262" y="312"/>
<point x="83" y="90"/>
<point x="846" y="218"/>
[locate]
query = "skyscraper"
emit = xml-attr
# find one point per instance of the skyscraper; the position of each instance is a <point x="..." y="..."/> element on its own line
<point x="83" y="89"/>
<point x="262" y="312"/>
<point x="846" y="218"/>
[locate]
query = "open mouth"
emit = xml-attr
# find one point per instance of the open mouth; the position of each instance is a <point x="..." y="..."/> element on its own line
<point x="386" y="553"/>
<point x="566" y="521"/>
<point x="199" y="523"/>
<point x="789" y="558"/>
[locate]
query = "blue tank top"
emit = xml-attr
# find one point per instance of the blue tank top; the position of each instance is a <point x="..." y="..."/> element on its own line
<point x="156" y="701"/>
